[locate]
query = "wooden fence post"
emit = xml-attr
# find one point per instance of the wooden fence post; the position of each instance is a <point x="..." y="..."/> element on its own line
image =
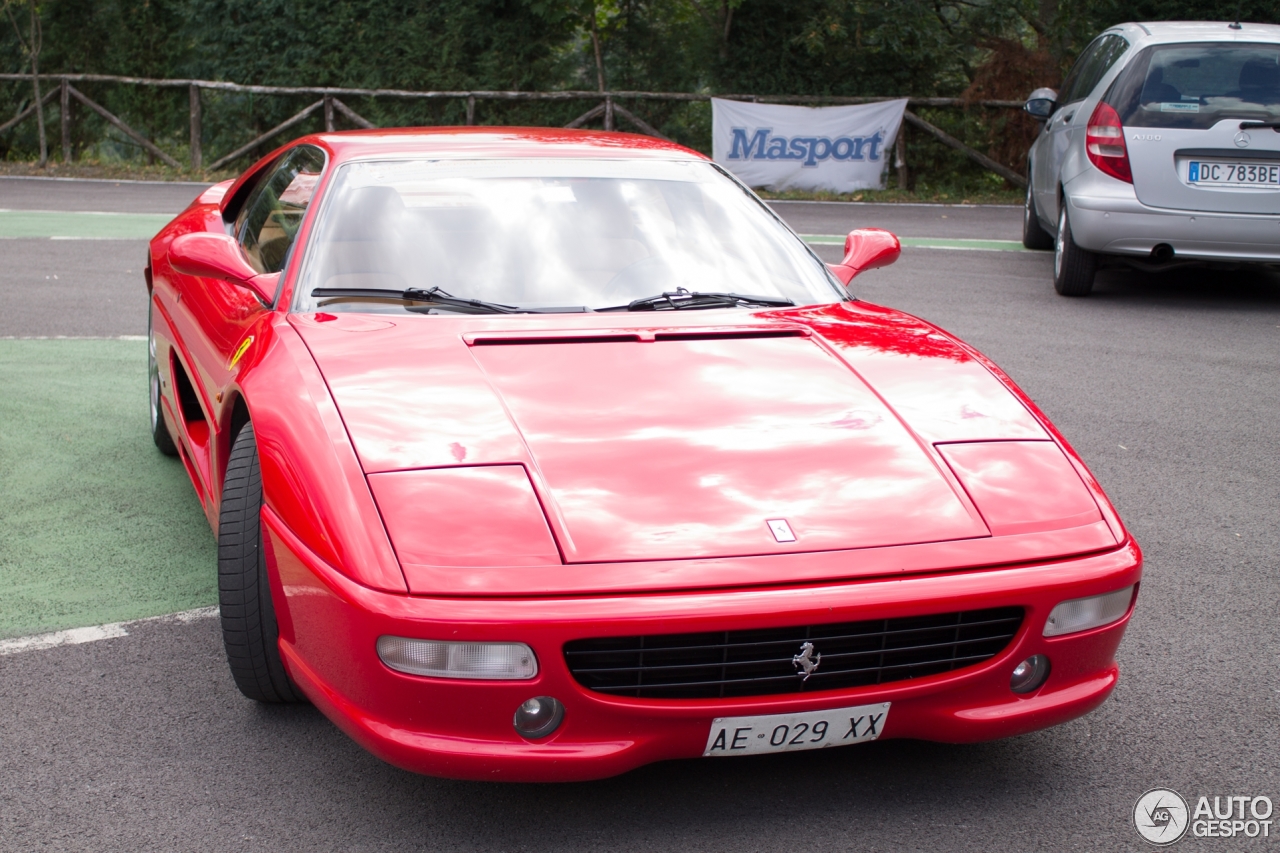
<point x="471" y="110"/>
<point x="328" y="113"/>
<point x="64" y="107"/>
<point x="197" y="153"/>
<point x="608" y="113"/>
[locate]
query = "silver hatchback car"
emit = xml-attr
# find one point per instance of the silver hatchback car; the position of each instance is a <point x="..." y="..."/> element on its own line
<point x="1162" y="148"/>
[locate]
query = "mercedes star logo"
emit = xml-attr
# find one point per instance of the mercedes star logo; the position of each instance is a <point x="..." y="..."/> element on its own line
<point x="1242" y="140"/>
<point x="806" y="661"/>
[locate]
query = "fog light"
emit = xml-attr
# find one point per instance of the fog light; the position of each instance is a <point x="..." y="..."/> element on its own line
<point x="485" y="661"/>
<point x="1029" y="674"/>
<point x="1081" y="614"/>
<point x="538" y="717"/>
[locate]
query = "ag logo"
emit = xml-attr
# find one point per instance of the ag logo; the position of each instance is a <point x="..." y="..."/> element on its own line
<point x="1160" y="816"/>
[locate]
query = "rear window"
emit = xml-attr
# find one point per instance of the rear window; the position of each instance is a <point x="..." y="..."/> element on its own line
<point x="1197" y="85"/>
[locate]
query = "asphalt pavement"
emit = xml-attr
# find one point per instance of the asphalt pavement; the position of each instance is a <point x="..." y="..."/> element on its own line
<point x="1167" y="385"/>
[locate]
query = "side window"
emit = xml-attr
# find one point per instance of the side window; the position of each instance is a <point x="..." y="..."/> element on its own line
<point x="1109" y="53"/>
<point x="269" y="220"/>
<point x="1095" y="62"/>
<point x="1072" y="83"/>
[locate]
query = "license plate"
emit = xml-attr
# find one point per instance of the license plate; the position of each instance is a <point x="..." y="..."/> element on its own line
<point x="1234" y="174"/>
<point x="794" y="732"/>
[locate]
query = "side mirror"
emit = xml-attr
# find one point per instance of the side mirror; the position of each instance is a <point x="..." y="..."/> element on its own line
<point x="866" y="249"/>
<point x="1041" y="104"/>
<point x="219" y="256"/>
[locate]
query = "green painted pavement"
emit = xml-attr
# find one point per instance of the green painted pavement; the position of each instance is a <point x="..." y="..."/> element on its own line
<point x="929" y="243"/>
<point x="95" y="524"/>
<point x="65" y="225"/>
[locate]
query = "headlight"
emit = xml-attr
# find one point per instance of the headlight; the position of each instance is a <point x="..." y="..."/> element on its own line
<point x="487" y="661"/>
<point x="1081" y="614"/>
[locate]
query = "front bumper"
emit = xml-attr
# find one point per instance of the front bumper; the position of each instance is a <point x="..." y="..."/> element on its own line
<point x="463" y="729"/>
<point x="1107" y="217"/>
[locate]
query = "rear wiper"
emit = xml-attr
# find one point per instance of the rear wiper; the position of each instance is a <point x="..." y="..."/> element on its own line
<point x="681" y="299"/>
<point x="1246" y="125"/>
<point x="436" y="296"/>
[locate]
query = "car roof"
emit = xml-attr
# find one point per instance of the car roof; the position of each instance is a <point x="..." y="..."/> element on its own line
<point x="497" y="143"/>
<point x="1165" y="32"/>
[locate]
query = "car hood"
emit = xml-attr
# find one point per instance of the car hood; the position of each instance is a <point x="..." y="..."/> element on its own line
<point x="685" y="441"/>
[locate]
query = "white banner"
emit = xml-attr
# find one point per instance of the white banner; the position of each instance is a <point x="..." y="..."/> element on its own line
<point x="777" y="147"/>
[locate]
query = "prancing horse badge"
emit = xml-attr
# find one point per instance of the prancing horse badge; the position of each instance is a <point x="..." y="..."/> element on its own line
<point x="806" y="661"/>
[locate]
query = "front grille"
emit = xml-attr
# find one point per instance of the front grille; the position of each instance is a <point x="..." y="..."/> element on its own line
<point x="759" y="662"/>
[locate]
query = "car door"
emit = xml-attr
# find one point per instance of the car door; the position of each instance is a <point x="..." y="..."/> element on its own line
<point x="1068" y="121"/>
<point x="214" y="317"/>
<point x="1187" y="111"/>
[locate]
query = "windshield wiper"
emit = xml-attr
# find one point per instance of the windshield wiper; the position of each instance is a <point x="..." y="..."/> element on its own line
<point x="681" y="299"/>
<point x="1246" y="125"/>
<point x="436" y="296"/>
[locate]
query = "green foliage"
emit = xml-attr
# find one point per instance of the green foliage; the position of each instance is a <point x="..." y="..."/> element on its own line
<point x="840" y="48"/>
<point x="403" y="44"/>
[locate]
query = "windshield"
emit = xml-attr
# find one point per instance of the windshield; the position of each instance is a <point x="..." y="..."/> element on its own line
<point x="1197" y="85"/>
<point x="547" y="234"/>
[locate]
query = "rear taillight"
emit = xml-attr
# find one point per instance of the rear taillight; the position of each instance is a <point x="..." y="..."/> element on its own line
<point x="1104" y="143"/>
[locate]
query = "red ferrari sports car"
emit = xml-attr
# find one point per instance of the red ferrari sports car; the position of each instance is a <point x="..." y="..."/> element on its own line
<point x="544" y="454"/>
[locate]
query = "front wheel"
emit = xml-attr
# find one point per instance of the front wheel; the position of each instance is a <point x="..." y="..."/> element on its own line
<point x="249" y="631"/>
<point x="1073" y="267"/>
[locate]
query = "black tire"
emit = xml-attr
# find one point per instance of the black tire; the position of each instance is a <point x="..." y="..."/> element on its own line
<point x="1073" y="267"/>
<point x="159" y="430"/>
<point x="249" y="631"/>
<point x="1033" y="234"/>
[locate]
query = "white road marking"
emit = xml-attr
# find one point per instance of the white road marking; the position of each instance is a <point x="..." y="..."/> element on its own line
<point x="110" y="631"/>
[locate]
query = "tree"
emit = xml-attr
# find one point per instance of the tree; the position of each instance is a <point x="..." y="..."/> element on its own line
<point x="31" y="43"/>
<point x="719" y="17"/>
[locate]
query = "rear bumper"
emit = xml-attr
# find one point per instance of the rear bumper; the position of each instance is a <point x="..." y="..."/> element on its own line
<point x="1107" y="217"/>
<point x="463" y="729"/>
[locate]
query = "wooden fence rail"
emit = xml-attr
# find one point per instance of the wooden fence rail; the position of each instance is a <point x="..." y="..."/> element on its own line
<point x="329" y="101"/>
